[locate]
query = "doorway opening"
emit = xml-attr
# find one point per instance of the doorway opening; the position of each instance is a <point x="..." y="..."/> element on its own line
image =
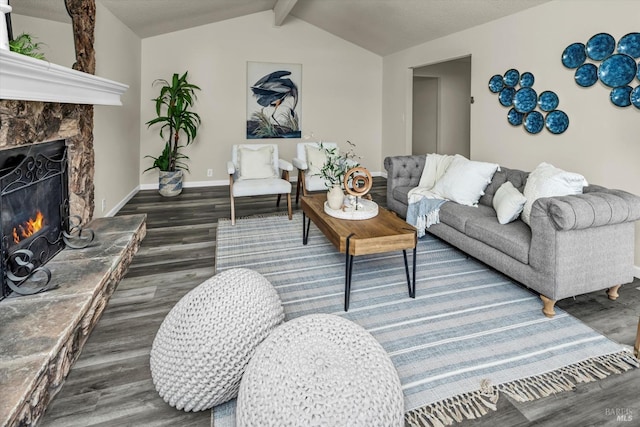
<point x="441" y="108"/>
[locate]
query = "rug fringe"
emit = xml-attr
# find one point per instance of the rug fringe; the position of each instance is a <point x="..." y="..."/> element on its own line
<point x="475" y="404"/>
<point x="455" y="409"/>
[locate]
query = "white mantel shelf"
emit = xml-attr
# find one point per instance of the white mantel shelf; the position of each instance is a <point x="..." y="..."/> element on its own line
<point x="29" y="79"/>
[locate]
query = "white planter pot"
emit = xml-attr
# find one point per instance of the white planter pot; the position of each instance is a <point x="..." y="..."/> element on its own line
<point x="170" y="183"/>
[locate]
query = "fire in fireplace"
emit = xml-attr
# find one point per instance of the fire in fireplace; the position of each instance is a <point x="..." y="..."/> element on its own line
<point x="34" y="207"/>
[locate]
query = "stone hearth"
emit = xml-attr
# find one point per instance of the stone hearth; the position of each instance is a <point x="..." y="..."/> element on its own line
<point x="42" y="335"/>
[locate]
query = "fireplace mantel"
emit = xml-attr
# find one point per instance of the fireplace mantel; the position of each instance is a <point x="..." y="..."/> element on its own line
<point x="29" y="79"/>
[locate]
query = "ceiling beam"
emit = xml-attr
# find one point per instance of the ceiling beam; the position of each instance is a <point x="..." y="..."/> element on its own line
<point x="281" y="10"/>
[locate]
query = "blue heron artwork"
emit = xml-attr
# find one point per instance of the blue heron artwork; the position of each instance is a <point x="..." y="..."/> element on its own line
<point x="273" y="100"/>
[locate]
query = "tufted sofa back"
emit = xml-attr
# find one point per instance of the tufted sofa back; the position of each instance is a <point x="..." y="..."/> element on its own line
<point x="517" y="177"/>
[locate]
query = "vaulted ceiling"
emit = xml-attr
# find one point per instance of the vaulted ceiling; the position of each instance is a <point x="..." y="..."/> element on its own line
<point x="380" y="26"/>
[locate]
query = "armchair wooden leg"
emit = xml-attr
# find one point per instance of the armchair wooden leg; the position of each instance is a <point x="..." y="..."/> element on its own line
<point x="233" y="204"/>
<point x="636" y="347"/>
<point x="612" y="292"/>
<point x="233" y="211"/>
<point x="548" y="310"/>
<point x="299" y="185"/>
<point x="289" y="206"/>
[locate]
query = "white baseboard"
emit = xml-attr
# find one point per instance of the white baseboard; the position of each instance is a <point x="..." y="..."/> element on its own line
<point x="122" y="202"/>
<point x="636" y="271"/>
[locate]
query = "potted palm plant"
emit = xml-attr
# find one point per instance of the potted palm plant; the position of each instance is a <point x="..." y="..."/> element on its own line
<point x="174" y="116"/>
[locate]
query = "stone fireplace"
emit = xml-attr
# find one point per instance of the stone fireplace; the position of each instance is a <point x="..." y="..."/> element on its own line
<point x="34" y="207"/>
<point x="50" y="107"/>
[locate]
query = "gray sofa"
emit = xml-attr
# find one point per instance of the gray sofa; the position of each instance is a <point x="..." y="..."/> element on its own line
<point x="576" y="244"/>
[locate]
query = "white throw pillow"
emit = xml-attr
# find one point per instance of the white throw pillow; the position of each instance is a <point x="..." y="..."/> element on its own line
<point x="256" y="163"/>
<point x="316" y="158"/>
<point x="465" y="180"/>
<point x="548" y="181"/>
<point x="508" y="203"/>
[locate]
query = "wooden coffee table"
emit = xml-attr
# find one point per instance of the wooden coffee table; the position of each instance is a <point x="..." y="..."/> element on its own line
<point x="385" y="232"/>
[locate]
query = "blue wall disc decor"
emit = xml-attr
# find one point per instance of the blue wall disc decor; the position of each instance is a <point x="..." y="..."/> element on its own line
<point x="574" y="55"/>
<point x="548" y="101"/>
<point x="630" y="45"/>
<point x="525" y="100"/>
<point x="534" y="122"/>
<point x="621" y="96"/>
<point x="496" y="83"/>
<point x="586" y="75"/>
<point x="635" y="97"/>
<point x="556" y="121"/>
<point x="617" y="70"/>
<point x="600" y="46"/>
<point x="511" y="77"/>
<point x="514" y="117"/>
<point x="506" y="96"/>
<point x="527" y="79"/>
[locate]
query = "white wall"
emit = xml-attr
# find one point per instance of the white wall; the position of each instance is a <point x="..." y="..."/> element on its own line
<point x="340" y="90"/>
<point x="56" y="38"/>
<point x="116" y="128"/>
<point x="602" y="141"/>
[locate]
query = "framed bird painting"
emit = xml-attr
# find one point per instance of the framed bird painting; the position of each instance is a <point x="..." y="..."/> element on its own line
<point x="273" y="100"/>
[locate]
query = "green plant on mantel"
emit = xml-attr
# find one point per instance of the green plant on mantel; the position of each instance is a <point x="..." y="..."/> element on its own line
<point x="174" y="115"/>
<point x="25" y="45"/>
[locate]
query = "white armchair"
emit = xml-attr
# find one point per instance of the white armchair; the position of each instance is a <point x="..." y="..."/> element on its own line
<point x="309" y="160"/>
<point x="254" y="171"/>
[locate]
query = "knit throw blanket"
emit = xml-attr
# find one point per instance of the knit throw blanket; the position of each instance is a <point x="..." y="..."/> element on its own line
<point x="424" y="202"/>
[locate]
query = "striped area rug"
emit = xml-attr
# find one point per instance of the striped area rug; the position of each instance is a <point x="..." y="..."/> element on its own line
<point x="469" y="333"/>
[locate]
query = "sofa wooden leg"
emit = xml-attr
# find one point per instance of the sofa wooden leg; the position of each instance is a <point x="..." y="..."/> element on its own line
<point x="548" y="310"/>
<point x="613" y="292"/>
<point x="636" y="347"/>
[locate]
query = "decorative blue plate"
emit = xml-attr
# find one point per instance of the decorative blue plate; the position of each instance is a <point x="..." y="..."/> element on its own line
<point x="496" y="84"/>
<point x="506" y="96"/>
<point x="527" y="79"/>
<point x="630" y="45"/>
<point x="635" y="97"/>
<point x="621" y="96"/>
<point x="511" y="78"/>
<point x="574" y="55"/>
<point x="534" y="122"/>
<point x="548" y="101"/>
<point x="514" y="117"/>
<point x="557" y="121"/>
<point x="586" y="75"/>
<point x="525" y="100"/>
<point x="617" y="70"/>
<point x="600" y="46"/>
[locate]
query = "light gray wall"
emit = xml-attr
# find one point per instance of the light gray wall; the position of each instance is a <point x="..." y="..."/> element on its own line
<point x="340" y="91"/>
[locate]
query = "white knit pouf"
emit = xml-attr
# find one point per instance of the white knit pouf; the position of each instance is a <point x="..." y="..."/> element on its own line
<point x="204" y="344"/>
<point x="320" y="370"/>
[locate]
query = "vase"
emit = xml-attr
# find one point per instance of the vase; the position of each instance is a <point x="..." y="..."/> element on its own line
<point x="170" y="183"/>
<point x="335" y="197"/>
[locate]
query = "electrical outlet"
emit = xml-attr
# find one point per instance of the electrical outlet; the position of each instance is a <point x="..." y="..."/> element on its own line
<point x="104" y="204"/>
<point x="209" y="172"/>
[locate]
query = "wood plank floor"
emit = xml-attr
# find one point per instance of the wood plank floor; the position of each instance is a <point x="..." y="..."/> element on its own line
<point x="110" y="384"/>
